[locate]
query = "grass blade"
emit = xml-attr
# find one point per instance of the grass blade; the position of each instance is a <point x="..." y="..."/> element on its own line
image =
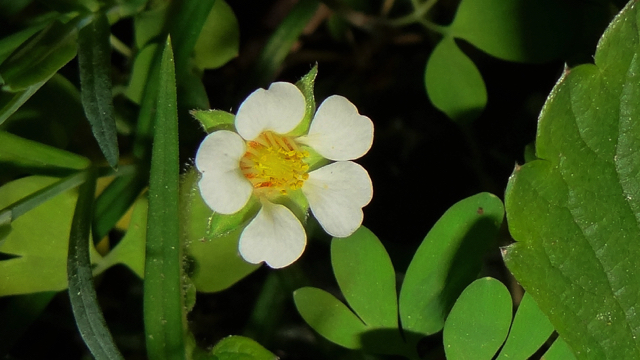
<point x="82" y="293"/>
<point x="163" y="302"/>
<point x="94" y="61"/>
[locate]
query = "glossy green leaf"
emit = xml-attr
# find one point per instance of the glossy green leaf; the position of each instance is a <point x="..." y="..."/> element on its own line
<point x="517" y="30"/>
<point x="38" y="240"/>
<point x="479" y="321"/>
<point x="40" y="57"/>
<point x="366" y="277"/>
<point x="130" y="250"/>
<point x="94" y="60"/>
<point x="163" y="298"/>
<point x="240" y="347"/>
<point x="453" y="82"/>
<point x="281" y="41"/>
<point x="559" y="350"/>
<point x="448" y="259"/>
<point x="212" y="120"/>
<point x="530" y="329"/>
<point x="30" y="155"/>
<point x="306" y="85"/>
<point x="216" y="262"/>
<point x="219" y="40"/>
<point x="82" y="293"/>
<point x="575" y="212"/>
<point x="329" y="317"/>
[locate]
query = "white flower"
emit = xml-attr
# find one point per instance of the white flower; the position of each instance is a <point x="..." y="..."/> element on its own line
<point x="264" y="160"/>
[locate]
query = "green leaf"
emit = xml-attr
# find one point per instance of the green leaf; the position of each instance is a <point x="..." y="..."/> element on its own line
<point x="212" y="120"/>
<point x="41" y="56"/>
<point x="216" y="262"/>
<point x="453" y="83"/>
<point x="520" y="30"/>
<point x="94" y="60"/>
<point x="219" y="40"/>
<point x="130" y="251"/>
<point x="33" y="156"/>
<point x="9" y="43"/>
<point x="164" y="320"/>
<point x="559" y="350"/>
<point x="448" y="259"/>
<point x="329" y="317"/>
<point x="82" y="293"/>
<point x="479" y="321"/>
<point x="281" y="41"/>
<point x="575" y="212"/>
<point x="141" y="67"/>
<point x="530" y="329"/>
<point x="10" y="102"/>
<point x="240" y="347"/>
<point x="306" y="85"/>
<point x="366" y="278"/>
<point x="72" y="5"/>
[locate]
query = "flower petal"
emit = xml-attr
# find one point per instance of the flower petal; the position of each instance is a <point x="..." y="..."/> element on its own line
<point x="274" y="236"/>
<point x="222" y="186"/>
<point x="338" y="132"/>
<point x="279" y="109"/>
<point x="336" y="194"/>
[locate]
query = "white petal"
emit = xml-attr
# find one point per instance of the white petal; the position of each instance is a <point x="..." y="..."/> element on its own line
<point x="274" y="236"/>
<point x="223" y="187"/>
<point x="279" y="109"/>
<point x="338" y="132"/>
<point x="336" y="193"/>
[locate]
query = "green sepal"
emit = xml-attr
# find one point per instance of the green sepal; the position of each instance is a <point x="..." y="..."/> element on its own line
<point x="306" y="85"/>
<point x="212" y="120"/>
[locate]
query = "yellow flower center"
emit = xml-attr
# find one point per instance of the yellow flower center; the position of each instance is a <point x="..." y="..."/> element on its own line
<point x="274" y="162"/>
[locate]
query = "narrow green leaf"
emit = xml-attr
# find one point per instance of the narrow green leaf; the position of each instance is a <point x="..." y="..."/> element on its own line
<point x="219" y="40"/>
<point x="164" y="317"/>
<point x="240" y="347"/>
<point x="212" y="120"/>
<point x="216" y="262"/>
<point x="281" y="41"/>
<point x="559" y="350"/>
<point x="36" y="157"/>
<point x="10" y="102"/>
<point x="94" y="60"/>
<point x="41" y="56"/>
<point x="9" y="43"/>
<point x="575" y="212"/>
<point x="329" y="317"/>
<point x="448" y="259"/>
<point x="82" y="294"/>
<point x="479" y="321"/>
<point x="522" y="30"/>
<point x="18" y="314"/>
<point x="530" y="329"/>
<point x="366" y="278"/>
<point x="454" y="83"/>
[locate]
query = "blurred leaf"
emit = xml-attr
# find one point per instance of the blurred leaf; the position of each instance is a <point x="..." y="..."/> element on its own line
<point x="575" y="212"/>
<point x="141" y="66"/>
<point x="453" y="83"/>
<point x="130" y="251"/>
<point x="529" y="331"/>
<point x="329" y="317"/>
<point x="219" y="40"/>
<point x="33" y="156"/>
<point x="366" y="278"/>
<point x="559" y="350"/>
<point x="8" y="44"/>
<point x="40" y="57"/>
<point x="216" y="262"/>
<point x="231" y="347"/>
<point x="448" y="259"/>
<point x="10" y="102"/>
<point x="38" y="240"/>
<point x="18" y="314"/>
<point x="281" y="41"/>
<point x="64" y="6"/>
<point x="82" y="293"/>
<point x="212" y="120"/>
<point x="479" y="321"/>
<point x="517" y="30"/>
<point x="163" y="298"/>
<point x="94" y="60"/>
<point x="306" y="85"/>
